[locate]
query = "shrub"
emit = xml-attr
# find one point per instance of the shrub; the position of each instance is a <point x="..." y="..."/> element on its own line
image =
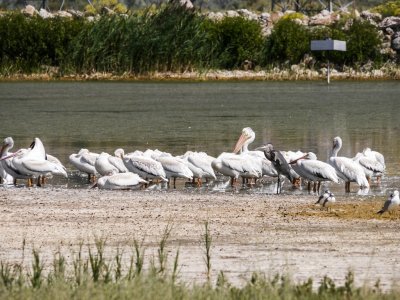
<point x="288" y="42"/>
<point x="234" y="40"/>
<point x="390" y="8"/>
<point x="363" y="43"/>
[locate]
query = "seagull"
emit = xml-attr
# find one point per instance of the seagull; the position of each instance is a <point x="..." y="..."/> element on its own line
<point x="323" y="197"/>
<point x="327" y="199"/>
<point x="346" y="168"/>
<point x="391" y="203"/>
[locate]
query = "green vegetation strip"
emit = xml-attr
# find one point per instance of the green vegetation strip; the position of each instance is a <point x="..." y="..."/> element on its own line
<point x="96" y="277"/>
<point x="174" y="39"/>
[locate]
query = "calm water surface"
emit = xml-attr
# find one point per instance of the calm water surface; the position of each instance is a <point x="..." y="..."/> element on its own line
<point x="177" y="117"/>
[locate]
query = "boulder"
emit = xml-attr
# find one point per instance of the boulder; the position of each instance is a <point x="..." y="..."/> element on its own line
<point x="29" y="11"/>
<point x="186" y="3"/>
<point x="45" y="14"/>
<point x="215" y="16"/>
<point x="247" y="14"/>
<point x="396" y="44"/>
<point x="62" y="14"/>
<point x="231" y="14"/>
<point x="323" y="19"/>
<point x="373" y="18"/>
<point x="76" y="13"/>
<point x="392" y="22"/>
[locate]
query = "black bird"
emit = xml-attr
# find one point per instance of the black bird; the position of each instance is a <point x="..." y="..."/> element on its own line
<point x="279" y="162"/>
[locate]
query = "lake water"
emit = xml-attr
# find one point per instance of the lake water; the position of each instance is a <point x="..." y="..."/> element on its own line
<point x="204" y="116"/>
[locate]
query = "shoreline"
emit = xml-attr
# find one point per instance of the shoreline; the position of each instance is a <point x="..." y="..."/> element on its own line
<point x="220" y="75"/>
<point x="270" y="234"/>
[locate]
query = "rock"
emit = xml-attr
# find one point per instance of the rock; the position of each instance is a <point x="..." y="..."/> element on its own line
<point x="63" y="14"/>
<point x="186" y="3"/>
<point x="323" y="19"/>
<point x="107" y="11"/>
<point x="29" y="11"/>
<point x="389" y="31"/>
<point x="392" y="22"/>
<point x="45" y="14"/>
<point x="215" y="16"/>
<point x="231" y="14"/>
<point x="247" y="14"/>
<point x="275" y="16"/>
<point x="265" y="17"/>
<point x="76" y="13"/>
<point x="373" y="18"/>
<point x="396" y="44"/>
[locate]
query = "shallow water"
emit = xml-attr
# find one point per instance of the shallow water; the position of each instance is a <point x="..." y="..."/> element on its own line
<point x="204" y="116"/>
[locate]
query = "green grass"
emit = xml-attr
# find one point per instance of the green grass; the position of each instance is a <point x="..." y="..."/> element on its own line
<point x="97" y="277"/>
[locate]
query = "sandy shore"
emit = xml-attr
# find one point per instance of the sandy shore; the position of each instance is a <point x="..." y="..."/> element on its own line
<point x="250" y="232"/>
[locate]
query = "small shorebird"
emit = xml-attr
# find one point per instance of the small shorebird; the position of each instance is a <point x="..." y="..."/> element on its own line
<point x="391" y="203"/>
<point x="327" y="199"/>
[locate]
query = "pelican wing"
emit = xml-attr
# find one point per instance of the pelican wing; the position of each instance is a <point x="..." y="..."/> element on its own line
<point x="202" y="162"/>
<point x="319" y="170"/>
<point x="349" y="170"/>
<point x="175" y="165"/>
<point x="371" y="164"/>
<point x="89" y="158"/>
<point x="43" y="166"/>
<point x="146" y="165"/>
<point x="118" y="163"/>
<point x="125" y="179"/>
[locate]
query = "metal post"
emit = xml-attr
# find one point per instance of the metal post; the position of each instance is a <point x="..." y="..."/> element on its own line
<point x="328" y="74"/>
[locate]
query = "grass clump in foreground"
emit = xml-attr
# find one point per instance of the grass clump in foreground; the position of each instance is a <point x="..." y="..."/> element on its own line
<point x="94" y="276"/>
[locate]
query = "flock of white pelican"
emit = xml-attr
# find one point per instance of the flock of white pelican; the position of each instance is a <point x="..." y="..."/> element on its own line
<point x="135" y="169"/>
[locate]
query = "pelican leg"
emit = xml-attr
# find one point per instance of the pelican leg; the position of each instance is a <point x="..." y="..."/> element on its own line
<point x="38" y="183"/>
<point x="309" y="187"/>
<point x="378" y="180"/>
<point x="30" y="182"/>
<point x="199" y="182"/>
<point x="315" y="187"/>
<point x="174" y="182"/>
<point x="15" y="181"/>
<point x="43" y="180"/>
<point x="278" y="186"/>
<point x="1" y="180"/>
<point x="89" y="177"/>
<point x="318" y="187"/>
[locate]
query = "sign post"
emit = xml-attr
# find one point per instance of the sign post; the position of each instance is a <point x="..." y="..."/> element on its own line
<point x="328" y="45"/>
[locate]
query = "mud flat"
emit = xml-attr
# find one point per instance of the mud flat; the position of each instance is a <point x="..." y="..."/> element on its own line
<point x="266" y="233"/>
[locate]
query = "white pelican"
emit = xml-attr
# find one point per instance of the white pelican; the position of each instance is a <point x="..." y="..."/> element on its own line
<point x="174" y="167"/>
<point x="255" y="157"/>
<point x="106" y="164"/>
<point x="200" y="165"/>
<point x="84" y="161"/>
<point x="33" y="162"/>
<point x="373" y="163"/>
<point x="120" y="181"/>
<point x="233" y="165"/>
<point x="346" y="168"/>
<point x="145" y="167"/>
<point x="313" y="170"/>
<point x="391" y="203"/>
<point x="5" y="176"/>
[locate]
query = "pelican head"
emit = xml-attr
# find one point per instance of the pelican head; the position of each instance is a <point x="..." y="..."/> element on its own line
<point x="337" y="142"/>
<point x="119" y="153"/>
<point x="247" y="137"/>
<point x="8" y="143"/>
